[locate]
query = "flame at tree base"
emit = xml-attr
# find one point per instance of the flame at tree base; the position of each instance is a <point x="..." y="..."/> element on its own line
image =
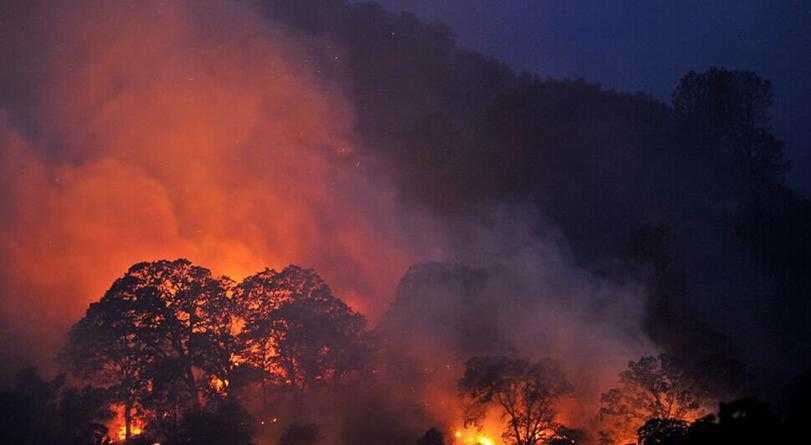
<point x="473" y="437"/>
<point x="117" y="428"/>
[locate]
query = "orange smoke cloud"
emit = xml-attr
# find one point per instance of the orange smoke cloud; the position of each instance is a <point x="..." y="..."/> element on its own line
<point x="180" y="129"/>
<point x="165" y="129"/>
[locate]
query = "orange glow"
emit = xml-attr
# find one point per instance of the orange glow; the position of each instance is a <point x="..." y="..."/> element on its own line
<point x="474" y="437"/>
<point x="484" y="440"/>
<point x="219" y="385"/>
<point x="122" y="432"/>
<point x="163" y="133"/>
<point x="117" y="427"/>
<point x="179" y="136"/>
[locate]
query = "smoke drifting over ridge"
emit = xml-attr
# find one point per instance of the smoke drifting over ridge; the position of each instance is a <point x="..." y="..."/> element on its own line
<point x="515" y="291"/>
<point x="174" y="129"/>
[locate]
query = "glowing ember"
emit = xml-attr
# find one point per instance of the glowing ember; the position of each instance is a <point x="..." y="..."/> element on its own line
<point x="219" y="385"/>
<point x="122" y="432"/>
<point x="472" y="437"/>
<point x="117" y="428"/>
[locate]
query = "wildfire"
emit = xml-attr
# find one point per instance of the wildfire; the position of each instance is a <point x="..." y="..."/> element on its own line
<point x="472" y="437"/>
<point x="219" y="385"/>
<point x="122" y="432"/>
<point x="118" y="430"/>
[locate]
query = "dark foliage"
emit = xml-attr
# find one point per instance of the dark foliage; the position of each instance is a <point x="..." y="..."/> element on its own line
<point x="656" y="393"/>
<point x="296" y="331"/>
<point x="658" y="431"/>
<point x="168" y="342"/>
<point x="744" y="421"/>
<point x="432" y="437"/>
<point x="525" y="393"/>
<point x="459" y="132"/>
<point x="222" y="423"/>
<point x="41" y="412"/>
<point x="798" y="403"/>
<point x="148" y="334"/>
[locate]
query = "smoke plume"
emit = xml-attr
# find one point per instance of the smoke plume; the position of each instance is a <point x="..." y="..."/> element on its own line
<point x="162" y="129"/>
<point x="175" y="129"/>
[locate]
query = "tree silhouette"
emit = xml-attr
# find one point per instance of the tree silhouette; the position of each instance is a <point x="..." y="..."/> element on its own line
<point x="82" y="414"/>
<point x="653" y="388"/>
<point x="524" y="392"/>
<point x="160" y="336"/>
<point x="798" y="401"/>
<point x="104" y="348"/>
<point x="42" y="412"/>
<point x="743" y="421"/>
<point x="726" y="114"/>
<point x="218" y="423"/>
<point x="318" y="339"/>
<point x="662" y="432"/>
<point x="296" y="330"/>
<point x="258" y="297"/>
<point x="432" y="437"/>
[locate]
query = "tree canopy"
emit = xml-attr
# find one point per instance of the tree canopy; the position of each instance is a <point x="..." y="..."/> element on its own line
<point x="654" y="388"/>
<point x="525" y="394"/>
<point x="167" y="338"/>
<point x="296" y="331"/>
<point x="159" y="337"/>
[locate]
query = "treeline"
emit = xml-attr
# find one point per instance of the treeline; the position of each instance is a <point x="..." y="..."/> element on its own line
<point x="186" y="357"/>
<point x="745" y="421"/>
<point x="657" y="401"/>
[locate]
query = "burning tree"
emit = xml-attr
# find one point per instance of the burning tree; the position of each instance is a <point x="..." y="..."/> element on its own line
<point x="654" y="388"/>
<point x="524" y="392"/>
<point x="259" y="297"/>
<point x="105" y="348"/>
<point x="167" y="338"/>
<point x="296" y="331"/>
<point x="159" y="336"/>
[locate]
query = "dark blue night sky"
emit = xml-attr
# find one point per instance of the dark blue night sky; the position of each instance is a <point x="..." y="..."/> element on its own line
<point x="646" y="45"/>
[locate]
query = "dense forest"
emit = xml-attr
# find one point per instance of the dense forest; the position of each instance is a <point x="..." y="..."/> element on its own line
<point x="687" y="196"/>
